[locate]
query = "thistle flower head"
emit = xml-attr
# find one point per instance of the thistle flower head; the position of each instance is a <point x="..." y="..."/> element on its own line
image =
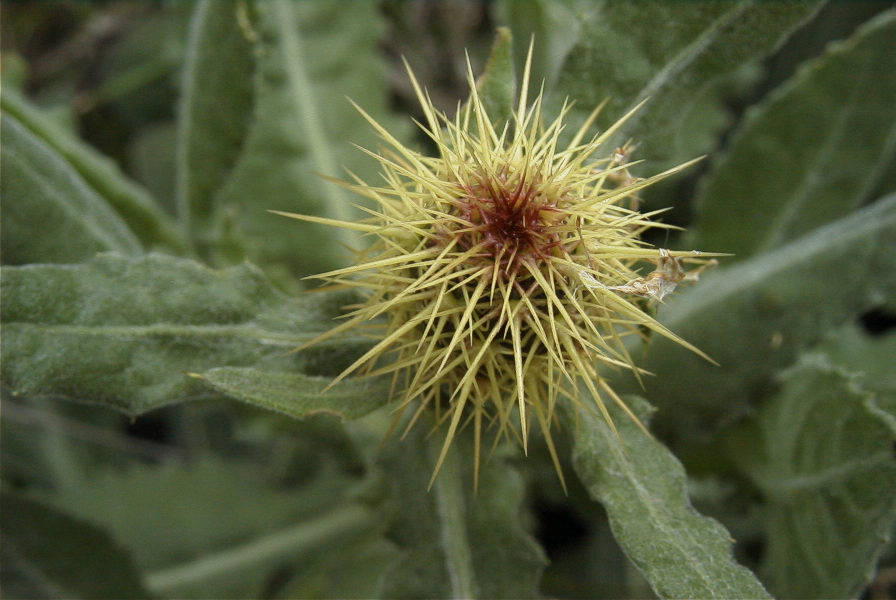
<point x="501" y="271"/>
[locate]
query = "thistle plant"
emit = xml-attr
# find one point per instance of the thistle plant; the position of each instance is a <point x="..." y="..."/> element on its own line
<point x="501" y="294"/>
<point x="503" y="270"/>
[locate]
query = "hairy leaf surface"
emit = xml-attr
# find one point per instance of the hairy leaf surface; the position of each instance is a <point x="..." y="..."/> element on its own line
<point x="125" y="332"/>
<point x="683" y="57"/>
<point x="644" y="489"/>
<point x="755" y="317"/>
<point x="810" y="153"/>
<point x="133" y="204"/>
<point x="299" y="395"/>
<point x="827" y="471"/>
<point x="49" y="213"/>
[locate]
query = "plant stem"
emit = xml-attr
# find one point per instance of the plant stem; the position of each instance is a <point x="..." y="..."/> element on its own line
<point x="304" y="537"/>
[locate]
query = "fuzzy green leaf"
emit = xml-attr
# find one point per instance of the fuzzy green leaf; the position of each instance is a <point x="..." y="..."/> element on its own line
<point x="871" y="355"/>
<point x="757" y="316"/>
<point x="299" y="395"/>
<point x="497" y="84"/>
<point x="49" y="213"/>
<point x="810" y="153"/>
<point x="301" y="127"/>
<point x="827" y="471"/>
<point x="133" y="204"/>
<point x="125" y="332"/>
<point x="644" y="490"/>
<point x="555" y="27"/>
<point x="458" y="543"/>
<point x="215" y="110"/>
<point x="682" y="56"/>
<point x="46" y="553"/>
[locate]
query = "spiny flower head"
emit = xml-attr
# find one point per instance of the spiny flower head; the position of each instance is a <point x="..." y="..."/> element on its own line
<point x="502" y="269"/>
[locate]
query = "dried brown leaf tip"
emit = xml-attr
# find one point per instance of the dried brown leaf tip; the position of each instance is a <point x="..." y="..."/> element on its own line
<point x="501" y="272"/>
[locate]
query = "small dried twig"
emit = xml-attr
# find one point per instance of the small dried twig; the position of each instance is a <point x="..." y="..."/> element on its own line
<point x="668" y="274"/>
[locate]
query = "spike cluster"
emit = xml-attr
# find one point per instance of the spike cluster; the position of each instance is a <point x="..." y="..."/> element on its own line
<point x="502" y="269"/>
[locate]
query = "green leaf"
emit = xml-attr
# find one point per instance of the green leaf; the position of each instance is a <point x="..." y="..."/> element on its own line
<point x="682" y="56"/>
<point x="757" y="316"/>
<point x="356" y="572"/>
<point x="215" y="109"/>
<point x="301" y="127"/>
<point x="795" y="163"/>
<point x="458" y="543"/>
<point x="124" y="332"/>
<point x="49" y="213"/>
<point x="246" y="531"/>
<point x="827" y="472"/>
<point x="298" y="395"/>
<point x="871" y="355"/>
<point x="47" y="553"/>
<point x="142" y="214"/>
<point x="497" y="84"/>
<point x="556" y="27"/>
<point x="643" y="488"/>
